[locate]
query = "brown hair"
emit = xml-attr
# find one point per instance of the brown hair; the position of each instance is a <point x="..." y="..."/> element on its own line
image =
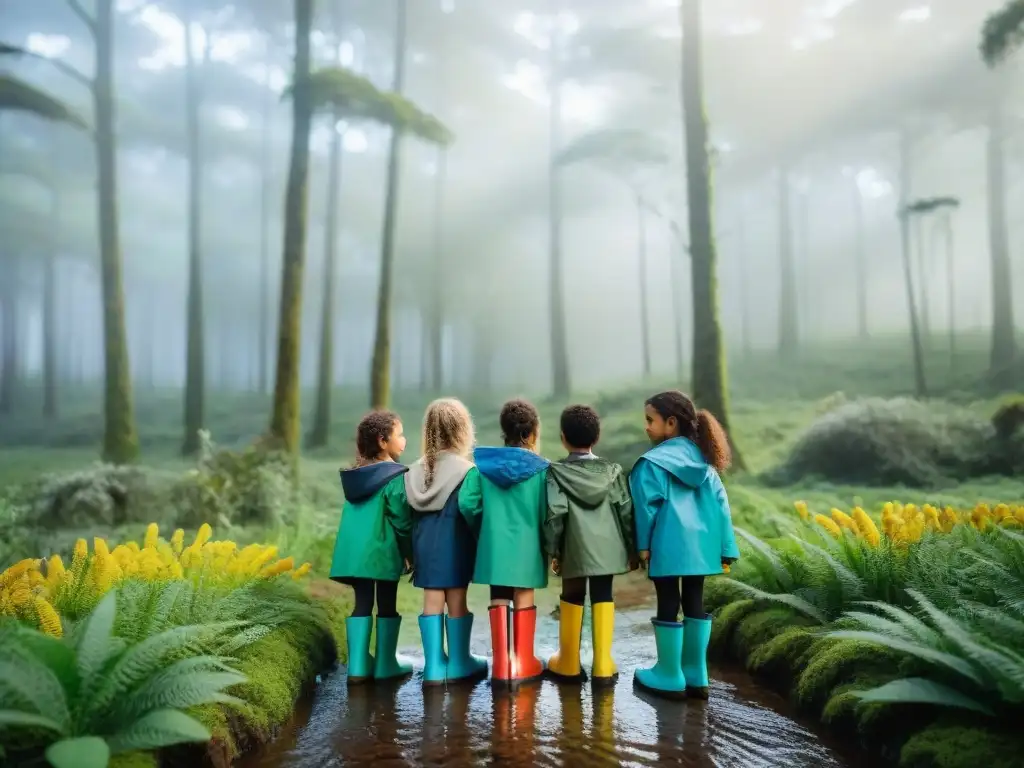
<point x="581" y="426"/>
<point x="519" y="419"/>
<point x="698" y="426"/>
<point x="373" y="427"/>
<point x="447" y="426"/>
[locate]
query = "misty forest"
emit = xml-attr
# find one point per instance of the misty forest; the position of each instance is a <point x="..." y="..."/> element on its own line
<point x="230" y="229"/>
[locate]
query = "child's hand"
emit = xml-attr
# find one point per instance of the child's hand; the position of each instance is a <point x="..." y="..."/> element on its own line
<point x="727" y="563"/>
<point x="645" y="558"/>
<point x="556" y="567"/>
<point x="634" y="563"/>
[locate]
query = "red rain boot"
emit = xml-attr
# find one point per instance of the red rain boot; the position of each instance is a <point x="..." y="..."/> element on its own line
<point x="525" y="666"/>
<point x="501" y="667"/>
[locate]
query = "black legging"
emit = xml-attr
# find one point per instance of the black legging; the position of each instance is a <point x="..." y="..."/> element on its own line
<point x="502" y="593"/>
<point x="575" y="590"/>
<point x="387" y="597"/>
<point x="675" y="592"/>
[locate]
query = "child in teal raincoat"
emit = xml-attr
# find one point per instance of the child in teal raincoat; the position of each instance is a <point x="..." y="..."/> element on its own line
<point x="683" y="533"/>
<point x="374" y="546"/>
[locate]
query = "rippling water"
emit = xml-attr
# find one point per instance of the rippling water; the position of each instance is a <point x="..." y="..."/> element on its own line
<point x="547" y="724"/>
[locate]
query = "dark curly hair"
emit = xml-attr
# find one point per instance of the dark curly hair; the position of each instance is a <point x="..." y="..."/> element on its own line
<point x="519" y="419"/>
<point x="699" y="426"/>
<point x="581" y="426"/>
<point x="374" y="427"/>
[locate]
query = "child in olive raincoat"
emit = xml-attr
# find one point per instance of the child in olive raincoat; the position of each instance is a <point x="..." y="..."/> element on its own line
<point x="684" y="533"/>
<point x="505" y="501"/>
<point x="374" y="546"/>
<point x="444" y="548"/>
<point x="589" y="535"/>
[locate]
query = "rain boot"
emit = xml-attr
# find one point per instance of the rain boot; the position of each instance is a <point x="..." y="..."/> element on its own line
<point x="696" y="636"/>
<point x="462" y="665"/>
<point x="501" y="663"/>
<point x="525" y="666"/>
<point x="435" y="663"/>
<point x="565" y="666"/>
<point x="666" y="677"/>
<point x="357" y="638"/>
<point x="386" y="664"/>
<point x="604" y="671"/>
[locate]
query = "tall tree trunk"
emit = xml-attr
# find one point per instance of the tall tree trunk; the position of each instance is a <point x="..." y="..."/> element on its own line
<point x="380" y="373"/>
<point x="677" y="253"/>
<point x="920" y="384"/>
<point x="50" y="309"/>
<point x="947" y="232"/>
<point x="284" y="421"/>
<point x="921" y="253"/>
<point x="265" y="173"/>
<point x="741" y="250"/>
<point x="195" y="355"/>
<point x="436" y="331"/>
<point x="789" y="318"/>
<point x="641" y="251"/>
<point x="562" y="384"/>
<point x="709" y="374"/>
<point x="1004" y="346"/>
<point x="120" y="438"/>
<point x="9" y="289"/>
<point x="860" y="261"/>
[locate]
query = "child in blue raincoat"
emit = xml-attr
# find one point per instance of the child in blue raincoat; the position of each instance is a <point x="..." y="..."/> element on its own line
<point x="683" y="534"/>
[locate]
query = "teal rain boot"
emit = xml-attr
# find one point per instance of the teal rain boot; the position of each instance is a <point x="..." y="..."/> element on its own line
<point x="462" y="665"/>
<point x="357" y="638"/>
<point x="696" y="636"/>
<point x="386" y="664"/>
<point x="666" y="677"/>
<point x="435" y="663"/>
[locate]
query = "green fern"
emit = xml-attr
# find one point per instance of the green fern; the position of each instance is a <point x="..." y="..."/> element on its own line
<point x="96" y="696"/>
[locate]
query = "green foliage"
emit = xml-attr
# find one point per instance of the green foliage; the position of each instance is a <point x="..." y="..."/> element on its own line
<point x="16" y="94"/>
<point x="623" y="147"/>
<point x="92" y="694"/>
<point x="351" y="96"/>
<point x="892" y="442"/>
<point x="1002" y="32"/>
<point x="961" y="746"/>
<point x="832" y="664"/>
<point x="1009" y="417"/>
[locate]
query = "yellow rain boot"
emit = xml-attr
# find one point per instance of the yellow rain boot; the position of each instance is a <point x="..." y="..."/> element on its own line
<point x="604" y="672"/>
<point x="564" y="666"/>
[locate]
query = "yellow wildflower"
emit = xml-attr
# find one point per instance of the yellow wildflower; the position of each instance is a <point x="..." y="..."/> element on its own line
<point x="303" y="569"/>
<point x="55" y="571"/>
<point x="843" y="520"/>
<point x="177" y="540"/>
<point x="829" y="525"/>
<point x="49" y="621"/>
<point x="152" y="536"/>
<point x="202" y="535"/>
<point x="16" y="571"/>
<point x="866" y="527"/>
<point x="100" y="547"/>
<point x="81" y="552"/>
<point x="801" y="509"/>
<point x="281" y="566"/>
<point x="948" y="519"/>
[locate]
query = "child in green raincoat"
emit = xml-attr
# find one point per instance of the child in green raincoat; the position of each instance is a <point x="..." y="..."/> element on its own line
<point x="374" y="546"/>
<point x="589" y="536"/>
<point x="684" y="533"/>
<point x="504" y="498"/>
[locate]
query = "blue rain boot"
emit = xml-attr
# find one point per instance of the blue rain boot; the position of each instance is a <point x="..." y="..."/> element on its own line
<point x="386" y="664"/>
<point x="357" y="638"/>
<point x="696" y="636"/>
<point x="435" y="663"/>
<point x="666" y="677"/>
<point x="462" y="665"/>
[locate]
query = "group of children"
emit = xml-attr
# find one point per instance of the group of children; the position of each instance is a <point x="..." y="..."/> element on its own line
<point x="504" y="516"/>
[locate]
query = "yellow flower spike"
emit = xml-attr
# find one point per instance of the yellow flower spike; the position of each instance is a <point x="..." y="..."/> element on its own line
<point x="303" y="569"/>
<point x="866" y="526"/>
<point x="829" y="525"/>
<point x="265" y="557"/>
<point x="931" y="518"/>
<point x="49" y="620"/>
<point x="152" y="536"/>
<point x="17" y="570"/>
<point x="202" y="535"/>
<point x="281" y="566"/>
<point x="100" y="547"/>
<point x="177" y="541"/>
<point x="1001" y="512"/>
<point x="20" y="594"/>
<point x="949" y="519"/>
<point x="55" y="571"/>
<point x="801" y="509"/>
<point x="843" y="520"/>
<point x="133" y="546"/>
<point x="80" y="554"/>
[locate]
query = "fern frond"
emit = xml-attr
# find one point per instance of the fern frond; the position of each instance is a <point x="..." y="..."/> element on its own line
<point x="916" y="690"/>
<point x="923" y="652"/>
<point x="793" y="601"/>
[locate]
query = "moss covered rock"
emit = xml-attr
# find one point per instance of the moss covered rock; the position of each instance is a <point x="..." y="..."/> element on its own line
<point x="779" y="658"/>
<point x="758" y="627"/>
<point x="725" y="622"/>
<point x="838" y="662"/>
<point x="959" y="746"/>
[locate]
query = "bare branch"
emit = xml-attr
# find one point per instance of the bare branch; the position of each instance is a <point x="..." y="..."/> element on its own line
<point x="61" y="66"/>
<point x="83" y="14"/>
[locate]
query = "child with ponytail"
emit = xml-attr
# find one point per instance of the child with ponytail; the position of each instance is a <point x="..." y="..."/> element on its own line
<point x="684" y="533"/>
<point x="444" y="548"/>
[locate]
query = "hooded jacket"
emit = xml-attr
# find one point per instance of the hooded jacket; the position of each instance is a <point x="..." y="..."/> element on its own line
<point x="504" y="500"/>
<point x="682" y="511"/>
<point x="374" y="536"/>
<point x="589" y="526"/>
<point x="444" y="547"/>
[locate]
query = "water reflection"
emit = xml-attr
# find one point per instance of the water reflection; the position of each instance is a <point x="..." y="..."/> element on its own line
<point x="547" y="725"/>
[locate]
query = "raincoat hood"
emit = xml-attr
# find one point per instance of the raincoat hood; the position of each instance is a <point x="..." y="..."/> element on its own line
<point x="507" y="466"/>
<point x="449" y="471"/>
<point x="588" y="482"/>
<point x="682" y="459"/>
<point x="361" y="483"/>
